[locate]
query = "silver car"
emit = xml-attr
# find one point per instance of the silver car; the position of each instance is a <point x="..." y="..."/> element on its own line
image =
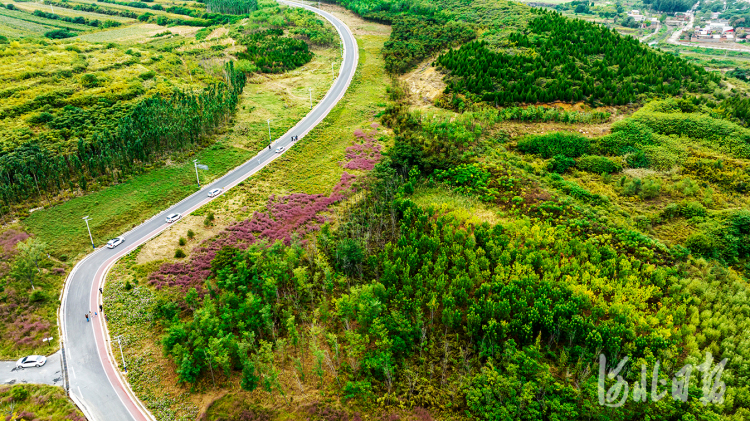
<point x="115" y="242"/>
<point x="31" y="361"/>
<point x="174" y="217"/>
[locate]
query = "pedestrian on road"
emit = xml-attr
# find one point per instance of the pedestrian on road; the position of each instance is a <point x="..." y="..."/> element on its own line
<point x="100" y="308"/>
<point x="100" y="291"/>
<point x="87" y="317"/>
<point x="96" y="314"/>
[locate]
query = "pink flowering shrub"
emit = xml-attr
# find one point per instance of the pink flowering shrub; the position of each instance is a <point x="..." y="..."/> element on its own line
<point x="24" y="331"/>
<point x="293" y="215"/>
<point x="8" y="241"/>
<point x="363" y="156"/>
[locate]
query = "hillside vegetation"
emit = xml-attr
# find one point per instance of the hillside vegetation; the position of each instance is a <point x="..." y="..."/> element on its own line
<point x="481" y="271"/>
<point x="80" y="115"/>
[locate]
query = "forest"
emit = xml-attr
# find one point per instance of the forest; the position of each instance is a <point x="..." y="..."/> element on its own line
<point x="409" y="307"/>
<point x="670" y="6"/>
<point x="558" y="59"/>
<point x="153" y="127"/>
<point x="422" y="28"/>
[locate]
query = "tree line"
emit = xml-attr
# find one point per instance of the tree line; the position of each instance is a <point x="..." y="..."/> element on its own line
<point x="271" y="52"/>
<point x="156" y="125"/>
<point x="559" y="59"/>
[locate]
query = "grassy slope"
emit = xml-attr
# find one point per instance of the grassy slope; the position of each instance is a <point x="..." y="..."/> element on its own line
<point x="310" y="167"/>
<point x="116" y="209"/>
<point x="41" y="402"/>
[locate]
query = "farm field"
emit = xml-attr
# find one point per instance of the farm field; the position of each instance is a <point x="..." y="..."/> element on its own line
<point x="30" y="7"/>
<point x="20" y="24"/>
<point x="138" y="33"/>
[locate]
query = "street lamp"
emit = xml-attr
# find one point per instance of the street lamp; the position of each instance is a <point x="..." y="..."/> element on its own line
<point x="333" y="76"/>
<point x="195" y="164"/>
<point x="269" y="131"/>
<point x="121" y="354"/>
<point x="86" y="218"/>
<point x="310" y="98"/>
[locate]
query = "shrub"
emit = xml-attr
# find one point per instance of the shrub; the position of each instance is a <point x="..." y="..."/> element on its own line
<point x="19" y="393"/>
<point x="128" y="285"/>
<point x="357" y="390"/>
<point x="560" y="163"/>
<point x="40" y="118"/>
<point x="650" y="189"/>
<point x="659" y="157"/>
<point x="190" y="234"/>
<point x="468" y="179"/>
<point x="37" y="296"/>
<point x="571" y="145"/>
<point x="632" y="188"/>
<point x="209" y="219"/>
<point x="179" y="254"/>
<point x="3" y="39"/>
<point x="89" y="80"/>
<point x="598" y="164"/>
<point x="59" y="34"/>
<point x="182" y="241"/>
<point x="637" y="160"/>
<point x="148" y="75"/>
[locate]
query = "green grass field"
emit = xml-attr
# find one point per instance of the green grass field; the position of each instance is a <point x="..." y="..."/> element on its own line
<point x="116" y="209"/>
<point x="38" y="402"/>
<point x="28" y="17"/>
<point x="30" y="7"/>
<point x="131" y="33"/>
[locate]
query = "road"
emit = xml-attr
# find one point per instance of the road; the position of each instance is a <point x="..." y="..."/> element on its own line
<point x="656" y="31"/>
<point x="676" y="35"/>
<point x="95" y="384"/>
<point x="50" y="373"/>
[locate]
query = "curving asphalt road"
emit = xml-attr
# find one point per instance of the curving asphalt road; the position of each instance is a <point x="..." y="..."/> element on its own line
<point x="94" y="381"/>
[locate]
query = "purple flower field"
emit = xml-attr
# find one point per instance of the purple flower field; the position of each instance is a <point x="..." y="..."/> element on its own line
<point x="295" y="214"/>
<point x="364" y="154"/>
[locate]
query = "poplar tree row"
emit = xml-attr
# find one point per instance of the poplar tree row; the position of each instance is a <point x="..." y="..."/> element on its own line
<point x="156" y="126"/>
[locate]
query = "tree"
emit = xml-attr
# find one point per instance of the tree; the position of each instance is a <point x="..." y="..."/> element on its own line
<point x="26" y="264"/>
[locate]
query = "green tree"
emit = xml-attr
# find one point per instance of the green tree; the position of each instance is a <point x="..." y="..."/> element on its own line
<point x="26" y="264"/>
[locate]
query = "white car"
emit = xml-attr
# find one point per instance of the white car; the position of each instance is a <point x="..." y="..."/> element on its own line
<point x="174" y="217"/>
<point x="280" y="149"/>
<point x="31" y="361"/>
<point x="215" y="192"/>
<point x="115" y="242"/>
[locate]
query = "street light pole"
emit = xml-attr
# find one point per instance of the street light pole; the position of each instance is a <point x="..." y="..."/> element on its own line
<point x="310" y="98"/>
<point x="269" y="131"/>
<point x="121" y="354"/>
<point x="86" y="218"/>
<point x="333" y="75"/>
<point x="195" y="164"/>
